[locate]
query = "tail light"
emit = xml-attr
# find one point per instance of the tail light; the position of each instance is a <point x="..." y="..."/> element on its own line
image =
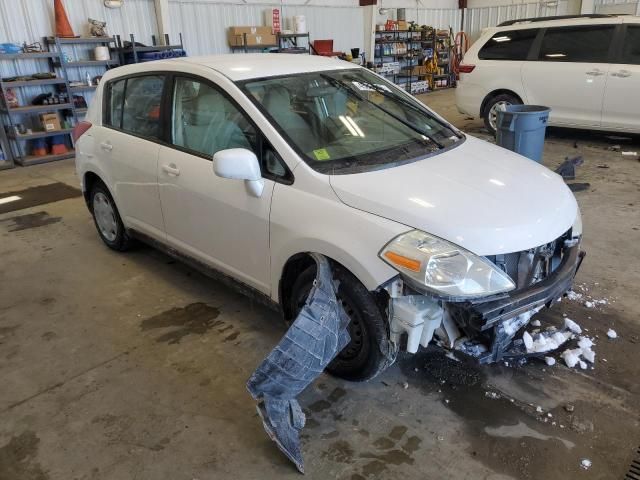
<point x="466" y="68"/>
<point x="80" y="129"/>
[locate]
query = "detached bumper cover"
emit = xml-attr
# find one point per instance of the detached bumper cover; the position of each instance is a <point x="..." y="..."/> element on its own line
<point x="486" y="318"/>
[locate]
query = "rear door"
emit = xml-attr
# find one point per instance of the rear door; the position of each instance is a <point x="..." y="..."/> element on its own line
<point x="128" y="146"/>
<point x="621" y="109"/>
<point x="569" y="73"/>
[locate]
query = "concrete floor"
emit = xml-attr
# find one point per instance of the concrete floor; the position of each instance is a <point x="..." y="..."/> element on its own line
<point x="132" y="366"/>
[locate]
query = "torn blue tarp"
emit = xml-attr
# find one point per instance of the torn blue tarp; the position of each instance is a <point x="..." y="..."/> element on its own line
<point x="316" y="336"/>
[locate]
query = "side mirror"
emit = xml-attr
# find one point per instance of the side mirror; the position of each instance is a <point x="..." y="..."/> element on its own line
<point x="239" y="164"/>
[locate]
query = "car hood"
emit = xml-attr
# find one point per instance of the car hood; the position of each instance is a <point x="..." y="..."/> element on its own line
<point x="477" y="195"/>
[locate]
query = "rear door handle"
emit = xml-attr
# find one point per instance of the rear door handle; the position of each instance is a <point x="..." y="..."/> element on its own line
<point x="595" y="73"/>
<point x="171" y="170"/>
<point x="622" y="74"/>
<point x="106" y="146"/>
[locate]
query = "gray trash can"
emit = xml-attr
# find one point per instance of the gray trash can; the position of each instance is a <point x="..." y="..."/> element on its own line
<point x="521" y="129"/>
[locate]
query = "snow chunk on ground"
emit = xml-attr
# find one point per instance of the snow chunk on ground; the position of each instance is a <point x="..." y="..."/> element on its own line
<point x="585" y="342"/>
<point x="611" y="333"/>
<point x="589" y="304"/>
<point x="535" y="323"/>
<point x="589" y="355"/>
<point x="550" y="361"/>
<point x="571" y="357"/>
<point x="528" y="341"/>
<point x="585" y="463"/>
<point x="571" y="295"/>
<point x="573" y="326"/>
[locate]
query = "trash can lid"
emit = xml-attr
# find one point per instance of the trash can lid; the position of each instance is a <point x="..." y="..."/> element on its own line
<point x="526" y="109"/>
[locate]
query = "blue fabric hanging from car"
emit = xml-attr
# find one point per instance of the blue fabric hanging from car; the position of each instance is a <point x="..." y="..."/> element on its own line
<point x="317" y="335"/>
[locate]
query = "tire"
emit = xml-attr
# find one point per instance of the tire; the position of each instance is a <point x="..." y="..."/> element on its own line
<point x="493" y="102"/>
<point x="368" y="353"/>
<point x="107" y="219"/>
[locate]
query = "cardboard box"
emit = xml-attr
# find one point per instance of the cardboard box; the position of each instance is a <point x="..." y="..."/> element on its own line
<point x="419" y="70"/>
<point x="250" y="30"/>
<point x="253" y="40"/>
<point x="50" y="122"/>
<point x="402" y="25"/>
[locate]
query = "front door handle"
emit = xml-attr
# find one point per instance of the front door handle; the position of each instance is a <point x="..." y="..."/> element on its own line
<point x="106" y="146"/>
<point x="622" y="74"/>
<point x="171" y="170"/>
<point x="595" y="73"/>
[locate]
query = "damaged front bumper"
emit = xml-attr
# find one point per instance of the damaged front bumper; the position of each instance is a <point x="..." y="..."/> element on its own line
<point x="483" y="328"/>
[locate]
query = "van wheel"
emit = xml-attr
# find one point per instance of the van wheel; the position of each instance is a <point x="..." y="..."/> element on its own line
<point x="368" y="352"/>
<point x="492" y="108"/>
<point x="107" y="219"/>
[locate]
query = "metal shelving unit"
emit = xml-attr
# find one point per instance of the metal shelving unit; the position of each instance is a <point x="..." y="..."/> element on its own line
<point x="61" y="62"/>
<point x="409" y="49"/>
<point x="293" y="39"/>
<point x="11" y="141"/>
<point x="134" y="50"/>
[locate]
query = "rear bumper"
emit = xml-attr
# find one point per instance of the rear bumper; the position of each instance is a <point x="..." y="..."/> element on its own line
<point x="469" y="98"/>
<point x="486" y="318"/>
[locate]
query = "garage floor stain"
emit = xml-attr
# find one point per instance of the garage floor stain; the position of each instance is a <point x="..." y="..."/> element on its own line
<point x="194" y="319"/>
<point x="17" y="458"/>
<point x="31" y="220"/>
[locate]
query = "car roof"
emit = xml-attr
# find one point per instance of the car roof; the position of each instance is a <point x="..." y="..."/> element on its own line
<point x="561" y="22"/>
<point x="247" y="66"/>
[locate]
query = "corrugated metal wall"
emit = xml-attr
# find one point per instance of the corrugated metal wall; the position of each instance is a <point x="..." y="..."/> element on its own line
<point x="476" y="19"/>
<point x="204" y="23"/>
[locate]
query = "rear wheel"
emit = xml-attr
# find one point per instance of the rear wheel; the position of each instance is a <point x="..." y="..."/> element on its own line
<point x="367" y="354"/>
<point x="493" y="106"/>
<point x="107" y="219"/>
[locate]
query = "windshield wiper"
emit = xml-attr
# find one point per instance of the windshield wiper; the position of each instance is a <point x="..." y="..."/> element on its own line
<point x="344" y="86"/>
<point x="387" y="94"/>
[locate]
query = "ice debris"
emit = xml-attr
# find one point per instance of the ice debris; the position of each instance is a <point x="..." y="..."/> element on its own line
<point x="611" y="333"/>
<point x="545" y="341"/>
<point x="585" y="463"/>
<point x="550" y="361"/>
<point x="535" y="323"/>
<point x="574" y="296"/>
<point x="571" y="357"/>
<point x="573" y="326"/>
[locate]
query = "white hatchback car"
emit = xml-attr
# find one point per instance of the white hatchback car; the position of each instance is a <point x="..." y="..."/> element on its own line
<point x="587" y="69"/>
<point x="243" y="164"/>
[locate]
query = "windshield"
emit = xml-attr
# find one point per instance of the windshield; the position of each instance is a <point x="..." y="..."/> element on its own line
<point x="349" y="120"/>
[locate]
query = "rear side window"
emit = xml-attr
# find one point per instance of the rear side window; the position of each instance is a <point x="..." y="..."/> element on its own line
<point x="509" y="45"/>
<point x="631" y="46"/>
<point x="134" y="105"/>
<point x="114" y="107"/>
<point x="577" y="44"/>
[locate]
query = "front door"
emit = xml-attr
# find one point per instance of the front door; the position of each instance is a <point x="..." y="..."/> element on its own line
<point x="128" y="146"/>
<point x="570" y="74"/>
<point x="213" y="219"/>
<point x="621" y="109"/>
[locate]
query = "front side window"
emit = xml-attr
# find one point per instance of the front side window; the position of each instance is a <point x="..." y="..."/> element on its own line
<point x="577" y="44"/>
<point x="205" y="121"/>
<point x="349" y="120"/>
<point x="631" y="46"/>
<point x="509" y="45"/>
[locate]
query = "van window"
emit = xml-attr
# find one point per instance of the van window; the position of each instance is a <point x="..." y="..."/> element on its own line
<point x="577" y="44"/>
<point x="205" y="121"/>
<point x="509" y="45"/>
<point x="631" y="46"/>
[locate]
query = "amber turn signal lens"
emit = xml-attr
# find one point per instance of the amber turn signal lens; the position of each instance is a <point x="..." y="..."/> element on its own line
<point x="402" y="261"/>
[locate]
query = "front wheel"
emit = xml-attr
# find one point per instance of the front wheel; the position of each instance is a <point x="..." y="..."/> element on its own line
<point x="368" y="352"/>
<point x="493" y="106"/>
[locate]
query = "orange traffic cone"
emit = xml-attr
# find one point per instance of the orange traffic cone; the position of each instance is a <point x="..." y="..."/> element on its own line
<point x="63" y="27"/>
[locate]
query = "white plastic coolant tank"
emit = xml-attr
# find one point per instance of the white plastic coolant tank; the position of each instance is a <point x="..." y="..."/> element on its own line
<point x="299" y="24"/>
<point x="418" y="317"/>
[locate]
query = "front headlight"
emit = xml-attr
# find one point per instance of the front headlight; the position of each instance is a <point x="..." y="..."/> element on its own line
<point x="443" y="267"/>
